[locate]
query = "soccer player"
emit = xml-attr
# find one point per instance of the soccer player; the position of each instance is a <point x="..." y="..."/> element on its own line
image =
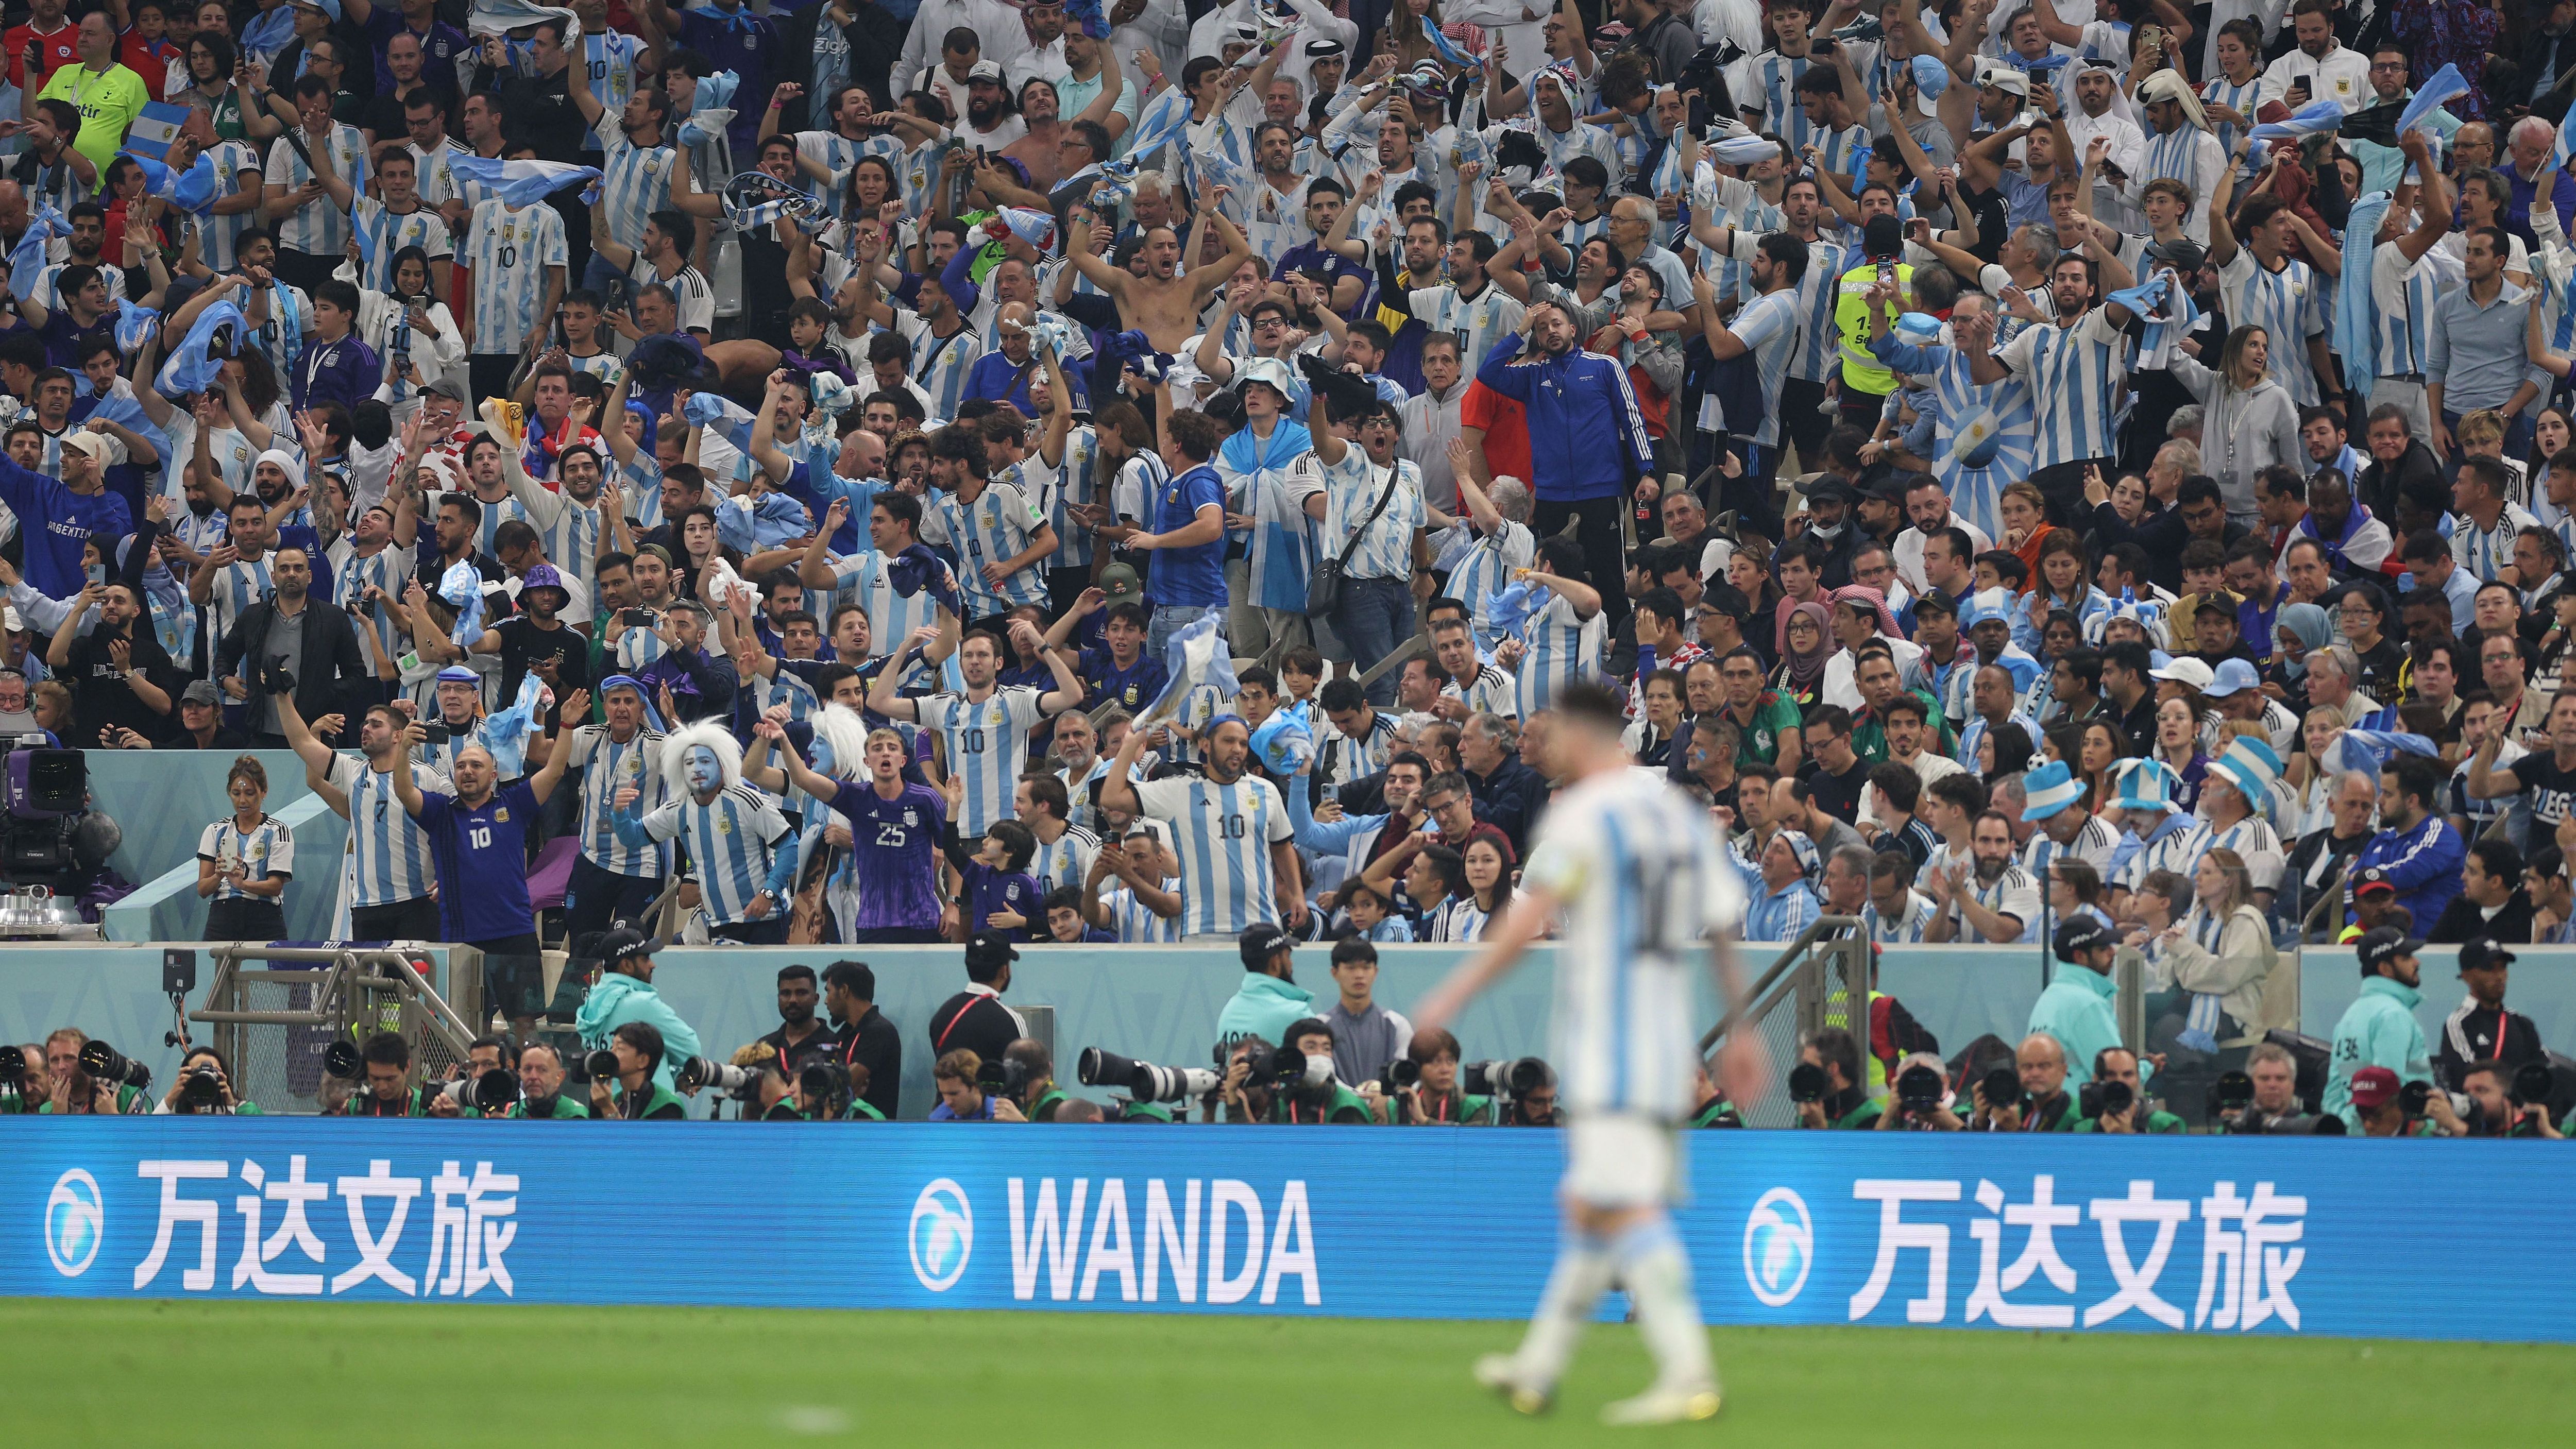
<point x="612" y="880"/>
<point x="740" y="843"/>
<point x="479" y="836"/>
<point x="388" y="877"/>
<point x="984" y="732"/>
<point x="1632" y="864"/>
<point x="1223" y="823"/>
<point x="894" y="840"/>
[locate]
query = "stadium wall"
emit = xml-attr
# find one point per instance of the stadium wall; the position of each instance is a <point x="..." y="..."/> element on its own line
<point x="2224" y="1236"/>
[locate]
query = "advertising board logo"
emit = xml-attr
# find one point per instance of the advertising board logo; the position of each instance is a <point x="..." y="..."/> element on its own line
<point x="75" y="1223"/>
<point x="942" y="1235"/>
<point x="1779" y="1247"/>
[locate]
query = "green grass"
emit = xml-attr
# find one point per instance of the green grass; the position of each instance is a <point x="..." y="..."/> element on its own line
<point x="201" y="1374"/>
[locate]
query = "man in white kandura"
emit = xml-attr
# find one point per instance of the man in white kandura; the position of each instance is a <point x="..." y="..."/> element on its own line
<point x="1632" y="864"/>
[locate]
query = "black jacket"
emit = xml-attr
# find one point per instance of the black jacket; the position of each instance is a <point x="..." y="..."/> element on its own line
<point x="2514" y="1039"/>
<point x="872" y="1042"/>
<point x="973" y="1021"/>
<point x="332" y="676"/>
<point x="2381" y="484"/>
<point x="1512" y="797"/>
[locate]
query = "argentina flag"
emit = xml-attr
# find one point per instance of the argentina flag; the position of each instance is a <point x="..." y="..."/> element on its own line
<point x="521" y="183"/>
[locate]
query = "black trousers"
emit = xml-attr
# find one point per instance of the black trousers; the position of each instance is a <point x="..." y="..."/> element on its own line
<point x="513" y="977"/>
<point x="304" y="269"/>
<point x="1596" y="528"/>
<point x="597" y="898"/>
<point x="2062" y="486"/>
<point x="412" y="920"/>
<point x="243" y="918"/>
<point x="1802" y="418"/>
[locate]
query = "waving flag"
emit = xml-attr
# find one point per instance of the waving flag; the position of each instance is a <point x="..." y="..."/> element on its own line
<point x="2445" y="84"/>
<point x="154" y="128"/>
<point x="2356" y="339"/>
<point x="1745" y="150"/>
<point x="203" y="352"/>
<point x="2313" y="118"/>
<point x="1196" y="656"/>
<point x="196" y="184"/>
<point x="27" y="263"/>
<point x="715" y="410"/>
<point x="521" y="183"/>
<point x="1165" y="116"/>
<point x="1446" y="48"/>
<point x="2156" y="292"/>
<point x="462" y="587"/>
<point x="506" y="734"/>
<point x="754" y="199"/>
<point x="133" y="325"/>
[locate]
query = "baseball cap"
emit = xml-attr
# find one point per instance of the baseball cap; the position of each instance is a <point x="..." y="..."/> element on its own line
<point x="1120" y="583"/>
<point x="2373" y="881"/>
<point x="984" y="70"/>
<point x="448" y="384"/>
<point x="202" y="691"/>
<point x="2232" y="677"/>
<point x="2383" y="944"/>
<point x="1261" y="941"/>
<point x="2182" y="253"/>
<point x="623" y="941"/>
<point x="2081" y="934"/>
<point x="2482" y="953"/>
<point x="1726" y="599"/>
<point x="9" y="620"/>
<point x="1831" y="490"/>
<point x="2186" y="671"/>
<point x="2373" y="1087"/>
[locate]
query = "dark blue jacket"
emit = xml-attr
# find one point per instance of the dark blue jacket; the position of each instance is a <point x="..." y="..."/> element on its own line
<point x="1587" y="438"/>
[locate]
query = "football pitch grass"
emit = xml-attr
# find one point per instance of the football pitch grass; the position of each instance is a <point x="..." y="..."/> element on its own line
<point x="381" y="1375"/>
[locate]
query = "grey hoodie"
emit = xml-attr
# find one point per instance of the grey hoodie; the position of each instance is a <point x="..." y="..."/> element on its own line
<point x="2242" y="433"/>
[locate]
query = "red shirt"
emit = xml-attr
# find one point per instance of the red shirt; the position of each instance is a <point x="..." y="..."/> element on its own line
<point x="1506" y="425"/>
<point x="59" y="51"/>
<point x="150" y="59"/>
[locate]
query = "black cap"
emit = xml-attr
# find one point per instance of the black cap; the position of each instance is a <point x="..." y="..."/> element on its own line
<point x="2373" y="879"/>
<point x="624" y="941"/>
<point x="2483" y="953"/>
<point x="1938" y="601"/>
<point x="1831" y="490"/>
<point x="990" y="948"/>
<point x="2079" y="935"/>
<point x="2384" y="944"/>
<point x="1726" y="599"/>
<point x="1884" y="236"/>
<point x="1261" y="942"/>
<point x="2182" y="253"/>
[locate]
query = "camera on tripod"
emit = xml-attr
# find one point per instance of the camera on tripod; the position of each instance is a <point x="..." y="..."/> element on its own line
<point x="1144" y="1081"/>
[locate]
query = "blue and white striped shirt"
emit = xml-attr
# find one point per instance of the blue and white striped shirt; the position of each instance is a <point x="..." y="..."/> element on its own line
<point x="2402" y="296"/>
<point x="609" y="766"/>
<point x="1352" y="488"/>
<point x="1562" y="648"/>
<point x="2074" y="374"/>
<point x="861" y="579"/>
<point x="1775" y="83"/>
<point x="1139" y="926"/>
<point x="985" y="743"/>
<point x="733" y="843"/>
<point x="384" y="233"/>
<point x="266" y="849"/>
<point x="1075" y="481"/>
<point x="1223" y="835"/>
<point x="837" y="153"/>
<point x="939" y="367"/>
<point x="510" y="252"/>
<point x="390" y="861"/>
<point x="1486" y="571"/>
<point x="317" y="229"/>
<point x="234" y="161"/>
<point x="995" y="528"/>
<point x="634" y="181"/>
<point x="2290" y="305"/>
<point x="1066" y="861"/>
<point x="612" y="58"/>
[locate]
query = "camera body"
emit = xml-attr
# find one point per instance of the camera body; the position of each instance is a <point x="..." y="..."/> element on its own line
<point x="1918" y="1089"/>
<point x="1806" y="1083"/>
<point x="1402" y="1075"/>
<point x="201" y="1088"/>
<point x="433" y="733"/>
<point x="827" y="1083"/>
<point x="2002" y="1089"/>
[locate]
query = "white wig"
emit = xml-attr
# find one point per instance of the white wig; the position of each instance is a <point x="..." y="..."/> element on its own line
<point x="840" y="726"/>
<point x="675" y="756"/>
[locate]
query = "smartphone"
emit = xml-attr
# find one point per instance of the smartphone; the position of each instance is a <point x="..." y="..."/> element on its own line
<point x="640" y="618"/>
<point x="1887" y="271"/>
<point x="435" y="734"/>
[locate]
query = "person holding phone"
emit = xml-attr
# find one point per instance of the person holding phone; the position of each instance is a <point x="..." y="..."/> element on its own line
<point x="244" y="862"/>
<point x="2322" y="68"/>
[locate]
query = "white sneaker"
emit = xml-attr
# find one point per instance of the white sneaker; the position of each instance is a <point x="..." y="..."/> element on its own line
<point x="1661" y="1405"/>
<point x="1501" y="1372"/>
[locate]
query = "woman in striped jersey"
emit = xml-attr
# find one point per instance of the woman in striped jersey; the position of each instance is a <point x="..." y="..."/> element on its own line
<point x="244" y="862"/>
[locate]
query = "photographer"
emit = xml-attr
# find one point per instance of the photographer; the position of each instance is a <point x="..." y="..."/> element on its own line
<point x="2502" y="1108"/>
<point x="1920" y="1099"/>
<point x="1434" y="1100"/>
<point x="624" y="993"/>
<point x="962" y="1097"/>
<point x="2114" y="1101"/>
<point x="1028" y="1074"/>
<point x="200" y="1067"/>
<point x="541" y="1093"/>
<point x="2035" y="1102"/>
<point x="483" y="1054"/>
<point x="1826" y="1084"/>
<point x="800" y="1038"/>
<point x="2273" y="1075"/>
<point x="71" y="1090"/>
<point x="1709" y="1106"/>
<point x="2387" y="1108"/>
<point x="639" y="1095"/>
<point x="866" y="1045"/>
<point x="388" y="1063"/>
<point x="1301" y="1099"/>
<point x="1365" y="1034"/>
<point x="1537" y="1106"/>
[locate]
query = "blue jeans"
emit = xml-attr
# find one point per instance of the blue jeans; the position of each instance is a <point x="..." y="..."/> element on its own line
<point x="1372" y="617"/>
<point x="1171" y="619"/>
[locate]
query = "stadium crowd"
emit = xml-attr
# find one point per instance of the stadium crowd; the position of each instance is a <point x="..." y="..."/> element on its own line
<point x="1142" y="474"/>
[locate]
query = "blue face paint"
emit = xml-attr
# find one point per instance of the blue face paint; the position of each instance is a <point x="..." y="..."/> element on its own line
<point x="705" y="771"/>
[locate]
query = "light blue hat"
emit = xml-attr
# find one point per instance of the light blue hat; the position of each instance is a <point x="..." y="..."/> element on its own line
<point x="2050" y="789"/>
<point x="2146" y="784"/>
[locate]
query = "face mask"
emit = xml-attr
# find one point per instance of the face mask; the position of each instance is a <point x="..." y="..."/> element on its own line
<point x="1828" y="534"/>
<point x="705" y="773"/>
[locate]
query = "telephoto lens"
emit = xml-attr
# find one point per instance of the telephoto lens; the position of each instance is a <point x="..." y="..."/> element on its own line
<point x="2234" y="1092"/>
<point x="342" y="1060"/>
<point x="1404" y="1074"/>
<point x="600" y="1066"/>
<point x="825" y="1082"/>
<point x="2413" y="1097"/>
<point x="2532" y="1083"/>
<point x="200" y="1087"/>
<point x="108" y="1064"/>
<point x="13" y="1064"/>
<point x="1806" y="1083"/>
<point x="496" y="1090"/>
<point x="2002" y="1087"/>
<point x="1918" y="1089"/>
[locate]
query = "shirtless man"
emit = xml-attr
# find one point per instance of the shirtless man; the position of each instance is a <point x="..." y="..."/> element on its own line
<point x="1165" y="302"/>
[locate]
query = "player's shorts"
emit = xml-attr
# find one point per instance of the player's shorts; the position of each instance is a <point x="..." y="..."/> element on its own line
<point x="1623" y="1160"/>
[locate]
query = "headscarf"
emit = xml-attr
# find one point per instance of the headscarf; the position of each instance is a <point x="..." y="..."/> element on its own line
<point x="2309" y="625"/>
<point x="1806" y="669"/>
<point x="1876" y="602"/>
<point x="2166" y="85"/>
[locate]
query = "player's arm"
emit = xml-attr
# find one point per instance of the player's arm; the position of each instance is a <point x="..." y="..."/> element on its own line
<point x="1504" y="945"/>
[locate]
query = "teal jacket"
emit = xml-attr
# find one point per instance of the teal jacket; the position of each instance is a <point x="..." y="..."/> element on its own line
<point x="619" y="999"/>
<point x="2076" y="1010"/>
<point x="1264" y="1006"/>
<point x="2378" y="1030"/>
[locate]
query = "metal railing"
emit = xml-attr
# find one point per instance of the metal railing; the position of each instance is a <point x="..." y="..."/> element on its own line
<point x="1819" y="979"/>
<point x="273" y="1025"/>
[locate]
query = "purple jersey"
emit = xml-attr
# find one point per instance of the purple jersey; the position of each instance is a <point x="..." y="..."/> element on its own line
<point x="895" y="845"/>
<point x="989" y="889"/>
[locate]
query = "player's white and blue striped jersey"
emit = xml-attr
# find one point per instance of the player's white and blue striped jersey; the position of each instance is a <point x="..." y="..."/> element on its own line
<point x="509" y="252"/>
<point x="385" y="233"/>
<point x="940" y="367"/>
<point x="1065" y="861"/>
<point x="995" y="528"/>
<point x="2402" y="298"/>
<point x="243" y="583"/>
<point x="2486" y="553"/>
<point x="2241" y="98"/>
<point x="1352" y="488"/>
<point x="572" y="541"/>
<point x="317" y="229"/>
<point x="2074" y="375"/>
<point x="389" y="854"/>
<point x="1819" y="354"/>
<point x="2290" y="305"/>
<point x="266" y="849"/>
<point x="837" y="153"/>
<point x="732" y="843"/>
<point x="986" y="744"/>
<point x="1490" y="692"/>
<point x="607" y="766"/>
<point x="1059" y="489"/>
<point x="388" y="569"/>
<point x="1562" y="648"/>
<point x="1905" y="928"/>
<point x="233" y="161"/>
<point x="611" y="57"/>
<point x="1476" y="322"/>
<point x="1771" y="326"/>
<point x="1637" y="868"/>
<point x="1136" y="925"/>
<point x="1487" y="571"/>
<point x="1223" y="835"/>
<point x="1774" y="89"/>
<point x="634" y="181"/>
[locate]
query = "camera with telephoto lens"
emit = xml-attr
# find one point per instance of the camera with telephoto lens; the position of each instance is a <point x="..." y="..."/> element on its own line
<point x="1806" y="1083"/>
<point x="599" y="1066"/>
<point x="110" y="1065"/>
<point x="2322" y="1124"/>
<point x="13" y="1074"/>
<point x="827" y="1084"/>
<point x="1292" y="1071"/>
<point x="201" y="1088"/>
<point x="2413" y="1097"/>
<point x="1504" y="1081"/>
<point x="1144" y="1081"/>
<point x="1918" y="1089"/>
<point x="2099" y="1099"/>
<point x="2002" y="1088"/>
<point x="1403" y="1074"/>
<point x="2532" y="1084"/>
<point x="342" y="1059"/>
<point x="1002" y="1077"/>
<point x="699" y="1073"/>
<point x="2232" y="1092"/>
<point x="496" y="1090"/>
